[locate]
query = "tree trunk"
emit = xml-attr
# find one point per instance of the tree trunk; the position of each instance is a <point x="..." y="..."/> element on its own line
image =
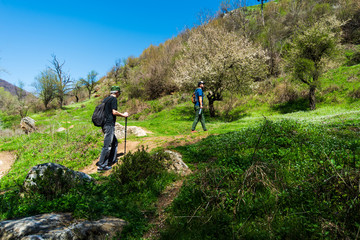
<point x="312" y="99"/>
<point x="211" y="108"/>
<point x="212" y="97"/>
<point x="262" y="12"/>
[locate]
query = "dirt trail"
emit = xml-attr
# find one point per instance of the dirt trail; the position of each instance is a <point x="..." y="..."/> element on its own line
<point x="149" y="143"/>
<point x="171" y="191"/>
<point x="6" y="161"/>
<point x="164" y="201"/>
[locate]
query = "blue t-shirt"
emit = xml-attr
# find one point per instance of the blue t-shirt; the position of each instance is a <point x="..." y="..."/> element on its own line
<point x="199" y="93"/>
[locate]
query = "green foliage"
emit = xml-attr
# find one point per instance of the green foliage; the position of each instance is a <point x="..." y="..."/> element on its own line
<point x="7" y="121"/>
<point x="277" y="180"/>
<point x="53" y="184"/>
<point x="129" y="192"/>
<point x="139" y="168"/>
<point x="45" y="84"/>
<point x="353" y="58"/>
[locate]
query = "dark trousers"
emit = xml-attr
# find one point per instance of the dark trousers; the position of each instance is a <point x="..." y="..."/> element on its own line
<point x="109" y="150"/>
<point x="199" y="117"/>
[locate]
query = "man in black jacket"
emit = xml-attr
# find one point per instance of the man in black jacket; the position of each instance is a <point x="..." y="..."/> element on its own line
<point x="109" y="150"/>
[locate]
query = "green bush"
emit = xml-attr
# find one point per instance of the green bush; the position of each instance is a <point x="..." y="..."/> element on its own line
<point x="353" y="58"/>
<point x="139" y="168"/>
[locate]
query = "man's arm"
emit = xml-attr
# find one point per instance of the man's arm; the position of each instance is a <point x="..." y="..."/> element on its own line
<point x="116" y="113"/>
<point x="201" y="101"/>
<point x="201" y="98"/>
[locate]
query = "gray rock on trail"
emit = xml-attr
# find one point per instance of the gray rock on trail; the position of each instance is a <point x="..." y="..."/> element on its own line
<point x="60" y="227"/>
<point x="27" y="124"/>
<point x="131" y="130"/>
<point x="176" y="164"/>
<point x="53" y="169"/>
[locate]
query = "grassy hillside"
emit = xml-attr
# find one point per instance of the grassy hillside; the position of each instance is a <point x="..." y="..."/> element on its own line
<point x="268" y="169"/>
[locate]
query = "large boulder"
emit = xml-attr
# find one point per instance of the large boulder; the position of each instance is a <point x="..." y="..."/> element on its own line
<point x="27" y="124"/>
<point x="176" y="164"/>
<point x="130" y="131"/>
<point x="60" y="227"/>
<point x="53" y="178"/>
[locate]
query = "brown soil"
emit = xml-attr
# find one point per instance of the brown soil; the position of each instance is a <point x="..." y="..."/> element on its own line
<point x="6" y="161"/>
<point x="149" y="143"/>
<point x="164" y="201"/>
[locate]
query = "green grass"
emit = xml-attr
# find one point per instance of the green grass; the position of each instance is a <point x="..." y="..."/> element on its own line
<point x="295" y="146"/>
<point x="275" y="180"/>
<point x="128" y="193"/>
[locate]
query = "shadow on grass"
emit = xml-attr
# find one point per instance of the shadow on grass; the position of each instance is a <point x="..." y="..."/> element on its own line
<point x="301" y="104"/>
<point x="231" y="117"/>
<point x="187" y="114"/>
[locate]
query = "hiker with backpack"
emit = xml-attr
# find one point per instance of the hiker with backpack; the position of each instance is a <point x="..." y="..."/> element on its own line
<point x="109" y="150"/>
<point x="198" y="100"/>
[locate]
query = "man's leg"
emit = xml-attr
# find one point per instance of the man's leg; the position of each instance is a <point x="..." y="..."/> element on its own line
<point x="108" y="138"/>
<point x="113" y="151"/>
<point x="202" y="120"/>
<point x="196" y="120"/>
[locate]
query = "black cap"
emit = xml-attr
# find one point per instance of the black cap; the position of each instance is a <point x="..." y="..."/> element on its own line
<point x="201" y="82"/>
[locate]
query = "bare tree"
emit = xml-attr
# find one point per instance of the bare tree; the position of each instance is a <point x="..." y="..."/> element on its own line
<point x="262" y="11"/>
<point x="63" y="79"/>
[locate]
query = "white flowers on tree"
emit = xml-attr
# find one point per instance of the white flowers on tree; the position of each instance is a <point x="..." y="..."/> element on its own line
<point x="224" y="60"/>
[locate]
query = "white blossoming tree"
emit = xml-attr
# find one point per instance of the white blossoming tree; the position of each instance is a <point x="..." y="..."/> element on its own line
<point x="224" y="60"/>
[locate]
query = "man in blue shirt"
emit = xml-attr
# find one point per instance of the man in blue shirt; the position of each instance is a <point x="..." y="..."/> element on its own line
<point x="198" y="107"/>
<point x="109" y="150"/>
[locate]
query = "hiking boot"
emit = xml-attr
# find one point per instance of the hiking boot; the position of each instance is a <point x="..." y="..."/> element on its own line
<point x="193" y="131"/>
<point x="104" y="168"/>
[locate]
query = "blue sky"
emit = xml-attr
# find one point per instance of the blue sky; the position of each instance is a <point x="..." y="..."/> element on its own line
<point x="87" y="35"/>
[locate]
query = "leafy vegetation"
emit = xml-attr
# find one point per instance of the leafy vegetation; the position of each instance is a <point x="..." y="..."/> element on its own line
<point x="111" y="195"/>
<point x="277" y="180"/>
<point x="269" y="168"/>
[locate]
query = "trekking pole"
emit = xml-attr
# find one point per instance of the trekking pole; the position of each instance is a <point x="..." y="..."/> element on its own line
<point x="125" y="135"/>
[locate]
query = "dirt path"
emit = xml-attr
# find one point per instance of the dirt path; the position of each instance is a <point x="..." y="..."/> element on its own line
<point x="164" y="201"/>
<point x="171" y="191"/>
<point x="6" y="161"/>
<point x="149" y="143"/>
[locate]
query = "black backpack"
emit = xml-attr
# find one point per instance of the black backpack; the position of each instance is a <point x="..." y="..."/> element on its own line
<point x="98" y="117"/>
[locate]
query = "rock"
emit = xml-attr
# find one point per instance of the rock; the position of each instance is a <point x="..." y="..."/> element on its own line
<point x="61" y="129"/>
<point x="176" y="164"/>
<point x="137" y="131"/>
<point x="27" y="124"/>
<point x="131" y="130"/>
<point x="60" y="227"/>
<point x="55" y="176"/>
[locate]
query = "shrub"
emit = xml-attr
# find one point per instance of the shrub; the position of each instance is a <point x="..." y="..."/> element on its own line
<point x="285" y="92"/>
<point x="139" y="168"/>
<point x="353" y="59"/>
<point x="355" y="93"/>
